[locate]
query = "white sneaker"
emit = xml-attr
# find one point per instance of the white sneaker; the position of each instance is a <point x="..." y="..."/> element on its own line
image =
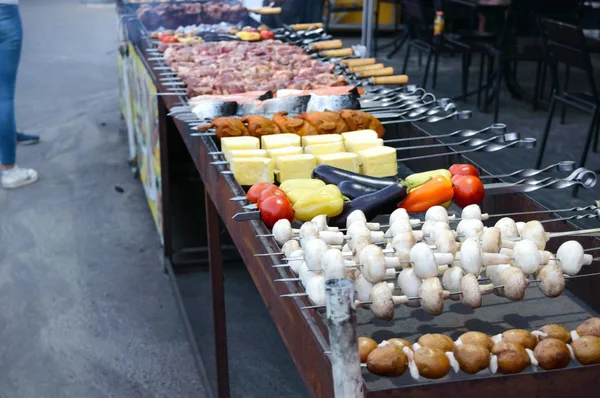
<point x="18" y="177"/>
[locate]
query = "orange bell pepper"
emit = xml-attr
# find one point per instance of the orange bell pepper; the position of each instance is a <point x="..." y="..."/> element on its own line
<point x="436" y="191"/>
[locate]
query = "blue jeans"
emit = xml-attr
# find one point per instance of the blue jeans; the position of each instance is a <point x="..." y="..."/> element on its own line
<point x="11" y="37"/>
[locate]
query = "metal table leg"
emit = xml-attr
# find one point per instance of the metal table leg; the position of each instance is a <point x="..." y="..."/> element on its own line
<point x="218" y="296"/>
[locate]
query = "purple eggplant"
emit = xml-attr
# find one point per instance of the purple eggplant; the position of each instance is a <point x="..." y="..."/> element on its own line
<point x="335" y="176"/>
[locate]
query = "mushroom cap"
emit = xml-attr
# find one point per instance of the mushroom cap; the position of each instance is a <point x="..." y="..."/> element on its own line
<point x="552" y="280"/>
<point x="383" y="302"/>
<point x="432" y="296"/>
<point x="451" y="281"/>
<point x="363" y="288"/>
<point x="520" y="225"/>
<point x="514" y="283"/>
<point x="305" y="274"/>
<point x="521" y="337"/>
<point x="437" y="213"/>
<point x="372" y="263"/>
<point x="436" y="340"/>
<point x="313" y="253"/>
<point x="333" y="264"/>
<point x="399" y="226"/>
<point x="445" y="242"/>
<point x="356" y="216"/>
<point x="295" y="264"/>
<point x="397" y="214"/>
<point x="399" y="342"/>
<point x="591" y="327"/>
<point x="512" y="358"/>
<point x="471" y="295"/>
<point x="439" y="227"/>
<point x="290" y="246"/>
<point x="472" y="212"/>
<point x="470" y="256"/>
<point x="552" y="354"/>
<point x="316" y="289"/>
<point x="403" y="242"/>
<point x="491" y="240"/>
<point x="534" y="231"/>
<point x="282" y="231"/>
<point x="423" y="260"/>
<point x="365" y="346"/>
<point x="570" y="255"/>
<point x="507" y="227"/>
<point x="526" y="256"/>
<point x="555" y="332"/>
<point x="587" y="350"/>
<point x="432" y="363"/>
<point x="357" y="231"/>
<point x="308" y="231"/>
<point x="472" y="358"/>
<point x="409" y="283"/>
<point x="469" y="228"/>
<point x="388" y="360"/>
<point x="477" y="338"/>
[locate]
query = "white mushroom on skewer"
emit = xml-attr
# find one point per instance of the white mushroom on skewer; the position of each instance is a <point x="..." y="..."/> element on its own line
<point x="438" y="213"/>
<point x="469" y="228"/>
<point x="534" y="231"/>
<point x="571" y="257"/>
<point x="473" y="212"/>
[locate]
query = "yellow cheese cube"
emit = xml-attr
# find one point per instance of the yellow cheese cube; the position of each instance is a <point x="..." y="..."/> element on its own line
<point x="324" y="149"/>
<point x="285" y="151"/>
<point x="360" y="135"/>
<point x="309" y="140"/>
<point x="246" y="153"/>
<point x="249" y="171"/>
<point x="358" y="145"/>
<point x="279" y="141"/>
<point x="231" y="143"/>
<point x="346" y="161"/>
<point x="295" y="166"/>
<point x="378" y="162"/>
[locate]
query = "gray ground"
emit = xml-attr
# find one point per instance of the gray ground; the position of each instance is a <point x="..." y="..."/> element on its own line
<point x="87" y="310"/>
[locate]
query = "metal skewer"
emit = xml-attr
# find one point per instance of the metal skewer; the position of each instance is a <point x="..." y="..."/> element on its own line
<point x="565" y="165"/>
<point x="316" y="307"/>
<point x="497" y="128"/>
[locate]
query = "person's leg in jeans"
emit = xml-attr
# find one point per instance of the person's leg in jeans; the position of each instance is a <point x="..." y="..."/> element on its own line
<point x="11" y="35"/>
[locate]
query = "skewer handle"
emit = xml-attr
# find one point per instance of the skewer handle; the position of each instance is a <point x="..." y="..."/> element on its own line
<point x="306" y="26"/>
<point x="363" y="68"/>
<point x="376" y="72"/>
<point x="327" y="45"/>
<point x="358" y="62"/>
<point x="266" y="10"/>
<point x="342" y="52"/>
<point x="398" y="79"/>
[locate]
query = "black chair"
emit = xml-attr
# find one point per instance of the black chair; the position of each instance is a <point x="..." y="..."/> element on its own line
<point x="565" y="44"/>
<point x="510" y="51"/>
<point x="418" y="19"/>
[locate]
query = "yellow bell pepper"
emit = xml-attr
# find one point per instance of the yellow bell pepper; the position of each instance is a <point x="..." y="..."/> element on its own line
<point x="298" y="194"/>
<point x="418" y="179"/>
<point x="248" y="36"/>
<point x="447" y="204"/>
<point x="326" y="200"/>
<point x="300" y="183"/>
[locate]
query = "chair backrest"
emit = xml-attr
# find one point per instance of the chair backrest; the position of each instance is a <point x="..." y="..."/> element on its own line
<point x="415" y="17"/>
<point x="565" y="43"/>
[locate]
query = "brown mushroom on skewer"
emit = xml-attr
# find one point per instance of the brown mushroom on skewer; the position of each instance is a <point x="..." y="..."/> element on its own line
<point x="552" y="354"/>
<point x="472" y="358"/>
<point x="510" y="358"/>
<point x="587" y="350"/>
<point x="365" y="346"/>
<point x="388" y="360"/>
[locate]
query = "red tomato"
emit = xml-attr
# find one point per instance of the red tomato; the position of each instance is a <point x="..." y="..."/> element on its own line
<point x="463" y="170"/>
<point x="468" y="190"/>
<point x="270" y="191"/>
<point x="274" y="209"/>
<point x="254" y="192"/>
<point x="266" y="34"/>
